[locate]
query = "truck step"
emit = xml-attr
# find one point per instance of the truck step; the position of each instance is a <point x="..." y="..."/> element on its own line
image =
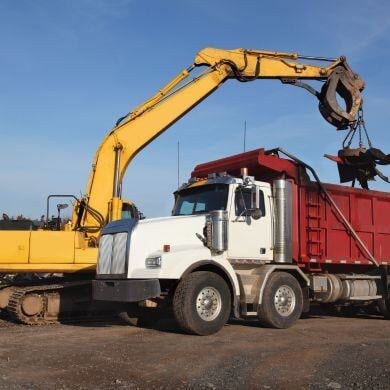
<point x="251" y="313"/>
<point x="366" y="298"/>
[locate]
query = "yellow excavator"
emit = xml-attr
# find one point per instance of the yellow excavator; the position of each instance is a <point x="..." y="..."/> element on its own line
<point x="69" y="255"/>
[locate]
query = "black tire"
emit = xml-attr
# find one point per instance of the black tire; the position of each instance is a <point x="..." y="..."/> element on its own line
<point x="384" y="308"/>
<point x="186" y="303"/>
<point x="268" y="313"/>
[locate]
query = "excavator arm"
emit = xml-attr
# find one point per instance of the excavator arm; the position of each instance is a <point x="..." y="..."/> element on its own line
<point x="136" y="130"/>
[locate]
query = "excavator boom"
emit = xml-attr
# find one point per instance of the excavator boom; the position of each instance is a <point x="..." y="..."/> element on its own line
<point x="137" y="129"/>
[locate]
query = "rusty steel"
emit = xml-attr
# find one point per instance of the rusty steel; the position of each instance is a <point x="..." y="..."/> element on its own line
<point x="348" y="85"/>
<point x="360" y="164"/>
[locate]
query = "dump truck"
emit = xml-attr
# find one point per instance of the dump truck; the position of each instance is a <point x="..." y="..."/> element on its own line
<point x="255" y="235"/>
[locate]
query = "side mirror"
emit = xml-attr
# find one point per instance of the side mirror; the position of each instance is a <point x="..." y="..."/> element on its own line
<point x="256" y="214"/>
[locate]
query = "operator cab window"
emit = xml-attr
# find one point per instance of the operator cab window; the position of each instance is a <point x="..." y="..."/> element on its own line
<point x="243" y="201"/>
<point x="128" y="211"/>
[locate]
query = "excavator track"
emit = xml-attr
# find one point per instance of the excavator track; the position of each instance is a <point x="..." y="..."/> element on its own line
<point x="52" y="303"/>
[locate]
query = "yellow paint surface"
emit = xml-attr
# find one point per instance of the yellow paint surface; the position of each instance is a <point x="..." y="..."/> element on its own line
<point x="52" y="247"/>
<point x="14" y="246"/>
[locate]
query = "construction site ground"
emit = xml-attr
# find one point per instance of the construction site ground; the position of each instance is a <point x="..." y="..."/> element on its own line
<point x="320" y="352"/>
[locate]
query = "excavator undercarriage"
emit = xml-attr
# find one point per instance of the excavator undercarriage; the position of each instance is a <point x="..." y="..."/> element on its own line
<point x="51" y="300"/>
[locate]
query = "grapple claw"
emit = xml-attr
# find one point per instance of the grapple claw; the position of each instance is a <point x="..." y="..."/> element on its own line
<point x="348" y="86"/>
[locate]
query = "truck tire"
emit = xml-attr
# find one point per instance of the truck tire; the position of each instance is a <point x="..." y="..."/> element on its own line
<point x="282" y="301"/>
<point x="202" y="303"/>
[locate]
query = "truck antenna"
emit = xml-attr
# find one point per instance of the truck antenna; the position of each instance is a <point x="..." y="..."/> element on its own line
<point x="244" y="135"/>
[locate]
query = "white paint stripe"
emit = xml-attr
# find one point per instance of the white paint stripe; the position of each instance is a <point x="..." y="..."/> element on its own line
<point x="328" y="261"/>
<point x="313" y="261"/>
<point x="358" y="262"/>
<point x="343" y="261"/>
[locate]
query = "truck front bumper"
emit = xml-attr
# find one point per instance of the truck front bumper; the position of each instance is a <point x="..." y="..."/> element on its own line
<point x="125" y="290"/>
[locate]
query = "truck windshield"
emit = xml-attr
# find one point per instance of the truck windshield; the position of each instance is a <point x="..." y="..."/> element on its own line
<point x="201" y="200"/>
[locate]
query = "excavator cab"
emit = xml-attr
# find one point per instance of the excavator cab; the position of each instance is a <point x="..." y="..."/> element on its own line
<point x="130" y="211"/>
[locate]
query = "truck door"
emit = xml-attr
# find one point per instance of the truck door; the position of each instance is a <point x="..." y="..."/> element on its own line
<point x="249" y="238"/>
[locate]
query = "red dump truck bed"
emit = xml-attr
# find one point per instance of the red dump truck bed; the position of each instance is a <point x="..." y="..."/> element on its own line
<point x="319" y="235"/>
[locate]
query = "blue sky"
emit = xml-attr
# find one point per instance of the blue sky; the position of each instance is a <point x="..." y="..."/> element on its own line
<point x="69" y="69"/>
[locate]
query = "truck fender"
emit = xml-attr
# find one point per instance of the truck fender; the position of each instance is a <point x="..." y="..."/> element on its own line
<point x="265" y="271"/>
<point x="227" y="272"/>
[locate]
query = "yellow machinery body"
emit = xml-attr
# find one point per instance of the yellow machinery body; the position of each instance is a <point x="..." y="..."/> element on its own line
<point x="45" y="251"/>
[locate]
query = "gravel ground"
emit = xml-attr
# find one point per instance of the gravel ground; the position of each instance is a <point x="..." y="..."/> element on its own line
<point x="320" y="352"/>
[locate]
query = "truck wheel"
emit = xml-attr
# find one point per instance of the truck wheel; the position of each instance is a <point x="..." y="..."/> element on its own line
<point x="282" y="301"/>
<point x="201" y="303"/>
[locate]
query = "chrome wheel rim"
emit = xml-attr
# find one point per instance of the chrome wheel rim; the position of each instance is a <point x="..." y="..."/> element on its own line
<point x="284" y="300"/>
<point x="208" y="303"/>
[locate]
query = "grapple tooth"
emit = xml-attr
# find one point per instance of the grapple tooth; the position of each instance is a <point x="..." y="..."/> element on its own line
<point x="348" y="86"/>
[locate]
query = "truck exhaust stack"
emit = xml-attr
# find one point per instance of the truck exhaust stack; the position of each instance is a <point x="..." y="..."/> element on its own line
<point x="282" y="192"/>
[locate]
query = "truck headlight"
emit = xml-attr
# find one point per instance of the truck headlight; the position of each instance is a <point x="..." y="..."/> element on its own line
<point x="153" y="262"/>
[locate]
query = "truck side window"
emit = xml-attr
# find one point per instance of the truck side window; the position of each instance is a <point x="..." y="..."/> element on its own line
<point x="262" y="203"/>
<point x="243" y="201"/>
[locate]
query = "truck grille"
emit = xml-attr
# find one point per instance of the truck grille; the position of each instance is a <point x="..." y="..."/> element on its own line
<point x="112" y="254"/>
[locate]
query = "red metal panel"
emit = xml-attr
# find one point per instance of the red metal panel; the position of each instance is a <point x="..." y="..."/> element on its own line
<point x="262" y="166"/>
<point x="326" y="238"/>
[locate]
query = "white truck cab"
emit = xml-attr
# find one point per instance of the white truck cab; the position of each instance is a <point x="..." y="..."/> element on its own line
<point x="210" y="258"/>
